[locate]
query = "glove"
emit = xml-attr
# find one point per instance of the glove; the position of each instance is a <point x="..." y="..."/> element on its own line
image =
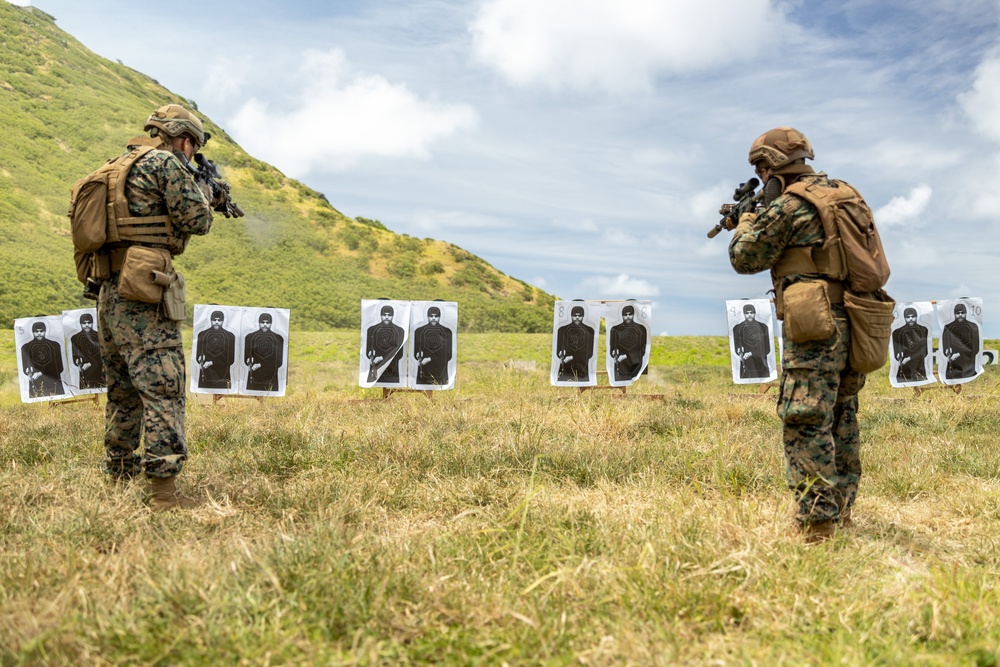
<point x="220" y="194"/>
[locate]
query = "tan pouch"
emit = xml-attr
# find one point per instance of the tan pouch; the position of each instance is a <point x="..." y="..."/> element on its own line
<point x="136" y="279"/>
<point x="807" y="312"/>
<point x="174" y="299"/>
<point x="871" y="329"/>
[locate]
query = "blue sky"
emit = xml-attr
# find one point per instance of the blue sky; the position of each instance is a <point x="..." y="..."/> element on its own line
<point x="585" y="145"/>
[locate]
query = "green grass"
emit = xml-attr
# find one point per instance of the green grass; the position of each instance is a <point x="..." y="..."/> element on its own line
<point x="506" y="521"/>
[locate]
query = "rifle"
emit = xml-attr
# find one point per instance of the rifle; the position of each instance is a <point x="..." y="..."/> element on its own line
<point x="746" y="200"/>
<point x="208" y="173"/>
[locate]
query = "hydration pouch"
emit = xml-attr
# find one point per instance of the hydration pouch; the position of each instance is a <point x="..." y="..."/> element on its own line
<point x="871" y="329"/>
<point x="807" y="313"/>
<point x="137" y="278"/>
<point x="174" y="299"/>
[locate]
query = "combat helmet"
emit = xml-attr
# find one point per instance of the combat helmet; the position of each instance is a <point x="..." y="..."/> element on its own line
<point x="174" y="120"/>
<point x="779" y="147"/>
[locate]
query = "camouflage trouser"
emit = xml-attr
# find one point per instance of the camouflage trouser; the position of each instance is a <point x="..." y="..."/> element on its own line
<point x="144" y="369"/>
<point x="818" y="406"/>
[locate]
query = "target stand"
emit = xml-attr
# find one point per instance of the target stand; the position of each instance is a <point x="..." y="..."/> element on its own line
<point x="217" y="398"/>
<point x="91" y="398"/>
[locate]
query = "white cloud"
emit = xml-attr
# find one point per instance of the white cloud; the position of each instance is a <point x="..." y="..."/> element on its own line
<point x="621" y="285"/>
<point x="225" y="78"/>
<point x="340" y="118"/>
<point x="587" y="225"/>
<point x="705" y="203"/>
<point x="618" y="237"/>
<point x="618" y="45"/>
<point x="904" y="209"/>
<point x="982" y="103"/>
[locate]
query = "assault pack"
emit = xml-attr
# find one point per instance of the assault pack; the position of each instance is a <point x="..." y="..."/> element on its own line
<point x="851" y="254"/>
<point x="852" y="251"/>
<point x="98" y="213"/>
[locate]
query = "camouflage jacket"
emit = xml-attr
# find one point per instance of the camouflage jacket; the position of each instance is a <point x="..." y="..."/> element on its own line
<point x="158" y="184"/>
<point x="788" y="222"/>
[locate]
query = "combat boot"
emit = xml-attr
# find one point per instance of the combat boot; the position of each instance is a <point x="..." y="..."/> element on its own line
<point x="821" y="531"/>
<point x="167" y="497"/>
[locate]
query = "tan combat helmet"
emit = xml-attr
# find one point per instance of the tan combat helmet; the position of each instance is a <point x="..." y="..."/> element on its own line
<point x="779" y="147"/>
<point x="174" y="120"/>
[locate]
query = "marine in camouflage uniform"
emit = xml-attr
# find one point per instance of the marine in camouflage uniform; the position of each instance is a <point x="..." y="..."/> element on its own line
<point x="818" y="400"/>
<point x="140" y="346"/>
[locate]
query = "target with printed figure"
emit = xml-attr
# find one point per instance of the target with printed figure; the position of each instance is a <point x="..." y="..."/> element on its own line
<point x="264" y="351"/>
<point x="433" y="345"/>
<point x="41" y="369"/>
<point x="961" y="345"/>
<point x="628" y="342"/>
<point x="217" y="349"/>
<point x="383" y="360"/>
<point x="574" y="343"/>
<point x="751" y="334"/>
<point x="83" y="363"/>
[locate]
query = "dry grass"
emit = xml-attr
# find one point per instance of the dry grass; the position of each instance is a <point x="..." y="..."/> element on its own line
<point x="504" y="522"/>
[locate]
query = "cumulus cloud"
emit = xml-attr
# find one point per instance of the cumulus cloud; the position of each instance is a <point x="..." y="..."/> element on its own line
<point x="341" y="117"/>
<point x="904" y="209"/>
<point x="621" y="285"/>
<point x="982" y="103"/>
<point x="617" y="45"/>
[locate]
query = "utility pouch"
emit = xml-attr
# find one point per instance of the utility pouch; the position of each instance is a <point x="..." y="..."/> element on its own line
<point x="84" y="265"/>
<point x="807" y="312"/>
<point x="138" y="272"/>
<point x="871" y="329"/>
<point x="174" y="299"/>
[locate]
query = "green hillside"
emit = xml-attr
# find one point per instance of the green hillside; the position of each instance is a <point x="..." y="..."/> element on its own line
<point x="65" y="110"/>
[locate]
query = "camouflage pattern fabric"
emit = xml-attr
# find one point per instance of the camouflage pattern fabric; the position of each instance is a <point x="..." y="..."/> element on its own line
<point x="158" y="184"/>
<point x="140" y="347"/>
<point x="818" y="401"/>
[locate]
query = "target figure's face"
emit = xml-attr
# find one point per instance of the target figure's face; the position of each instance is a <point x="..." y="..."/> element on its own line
<point x="960" y="314"/>
<point x="265" y="324"/>
<point x="911" y="318"/>
<point x="434" y="318"/>
<point x="216" y="322"/>
<point x="748" y="314"/>
<point x="577" y="318"/>
<point x="38" y="331"/>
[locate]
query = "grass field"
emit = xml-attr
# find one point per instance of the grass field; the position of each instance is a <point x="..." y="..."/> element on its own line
<point x="504" y="522"/>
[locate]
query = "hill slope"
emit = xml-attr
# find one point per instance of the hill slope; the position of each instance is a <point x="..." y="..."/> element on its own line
<point x="65" y="110"/>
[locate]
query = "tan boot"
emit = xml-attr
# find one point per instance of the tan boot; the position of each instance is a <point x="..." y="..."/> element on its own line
<point x="167" y="497"/>
<point x="821" y="531"/>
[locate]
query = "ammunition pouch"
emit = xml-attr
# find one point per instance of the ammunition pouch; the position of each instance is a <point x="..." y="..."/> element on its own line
<point x="805" y="309"/>
<point x="136" y="280"/>
<point x="871" y="329"/>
